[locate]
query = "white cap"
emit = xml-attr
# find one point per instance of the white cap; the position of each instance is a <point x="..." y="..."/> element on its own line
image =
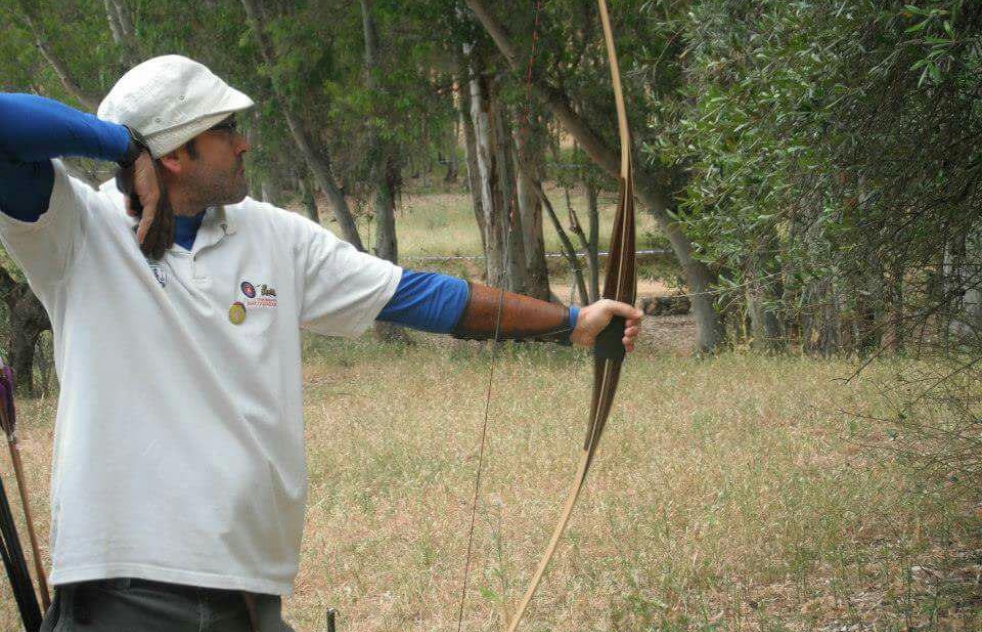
<point x="170" y="100"/>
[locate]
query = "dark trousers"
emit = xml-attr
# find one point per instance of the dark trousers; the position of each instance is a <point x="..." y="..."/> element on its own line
<point x="136" y="605"/>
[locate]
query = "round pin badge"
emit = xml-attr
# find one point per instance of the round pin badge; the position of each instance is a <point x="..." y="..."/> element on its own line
<point x="248" y="289"/>
<point x="237" y="313"/>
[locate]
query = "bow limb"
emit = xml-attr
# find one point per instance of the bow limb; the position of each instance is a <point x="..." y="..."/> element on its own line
<point x="10" y="549"/>
<point x="620" y="284"/>
<point x="8" y="420"/>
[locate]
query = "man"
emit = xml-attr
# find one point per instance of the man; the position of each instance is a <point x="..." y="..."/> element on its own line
<point x="179" y="481"/>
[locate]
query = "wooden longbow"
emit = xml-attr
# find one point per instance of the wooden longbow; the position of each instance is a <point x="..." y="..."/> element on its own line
<point x="620" y="284"/>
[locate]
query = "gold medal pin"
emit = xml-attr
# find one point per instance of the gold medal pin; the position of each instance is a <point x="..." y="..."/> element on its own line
<point x="237" y="313"/>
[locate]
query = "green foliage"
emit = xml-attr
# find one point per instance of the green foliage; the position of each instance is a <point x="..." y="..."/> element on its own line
<point x="828" y="155"/>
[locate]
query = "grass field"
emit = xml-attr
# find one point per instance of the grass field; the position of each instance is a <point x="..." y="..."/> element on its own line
<point x="442" y="224"/>
<point x="731" y="493"/>
<point x="741" y="492"/>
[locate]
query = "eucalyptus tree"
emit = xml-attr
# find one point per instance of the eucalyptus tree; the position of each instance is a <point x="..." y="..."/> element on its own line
<point x="291" y="94"/>
<point x="569" y="82"/>
<point x="834" y="159"/>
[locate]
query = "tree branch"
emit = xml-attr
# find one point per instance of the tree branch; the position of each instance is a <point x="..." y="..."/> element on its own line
<point x="40" y="40"/>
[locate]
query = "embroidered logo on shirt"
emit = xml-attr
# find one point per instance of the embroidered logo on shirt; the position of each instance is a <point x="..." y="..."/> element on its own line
<point x="266" y="295"/>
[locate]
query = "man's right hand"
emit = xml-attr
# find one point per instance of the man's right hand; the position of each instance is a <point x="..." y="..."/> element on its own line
<point x="146" y="200"/>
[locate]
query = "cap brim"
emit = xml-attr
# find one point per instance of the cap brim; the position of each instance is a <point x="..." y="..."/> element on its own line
<point x="166" y="141"/>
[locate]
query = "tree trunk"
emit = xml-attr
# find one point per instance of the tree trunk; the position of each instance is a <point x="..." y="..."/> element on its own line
<point x="316" y="156"/>
<point x="386" y="243"/>
<point x="427" y="168"/>
<point x="384" y="168"/>
<point x="488" y="185"/>
<point x="960" y="292"/>
<point x="593" y="251"/>
<point x="122" y="31"/>
<point x="569" y="251"/>
<point x="698" y="276"/>
<point x="452" y="167"/>
<point x="514" y="235"/>
<point x="530" y="209"/>
<point x="577" y="229"/>
<point x="527" y="146"/>
<point x="895" y="303"/>
<point x="114" y="25"/>
<point x="760" y="297"/>
<point x="309" y="201"/>
<point x="27" y="320"/>
<point x="764" y="324"/>
<point x="385" y="173"/>
<point x="700" y="280"/>
<point x="870" y="303"/>
<point x="123" y="15"/>
<point x="470" y="154"/>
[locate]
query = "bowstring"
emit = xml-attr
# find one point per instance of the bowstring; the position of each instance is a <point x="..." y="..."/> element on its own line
<point x="524" y="124"/>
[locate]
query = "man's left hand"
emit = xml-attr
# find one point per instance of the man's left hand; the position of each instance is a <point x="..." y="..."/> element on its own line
<point x="594" y="317"/>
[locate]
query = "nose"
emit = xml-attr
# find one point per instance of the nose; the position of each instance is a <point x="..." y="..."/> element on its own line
<point x="242" y="143"/>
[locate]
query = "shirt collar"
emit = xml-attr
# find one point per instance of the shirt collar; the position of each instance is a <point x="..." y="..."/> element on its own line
<point x="218" y="223"/>
<point x="221" y="216"/>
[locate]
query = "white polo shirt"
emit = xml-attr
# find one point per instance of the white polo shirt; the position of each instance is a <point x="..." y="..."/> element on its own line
<point x="179" y="443"/>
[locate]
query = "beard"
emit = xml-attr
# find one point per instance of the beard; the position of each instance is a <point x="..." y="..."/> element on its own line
<point x="214" y="187"/>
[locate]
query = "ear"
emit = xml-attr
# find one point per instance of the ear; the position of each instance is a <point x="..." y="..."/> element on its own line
<point x="173" y="163"/>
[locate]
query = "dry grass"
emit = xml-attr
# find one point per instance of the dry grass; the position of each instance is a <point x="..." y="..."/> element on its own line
<point x="729" y="494"/>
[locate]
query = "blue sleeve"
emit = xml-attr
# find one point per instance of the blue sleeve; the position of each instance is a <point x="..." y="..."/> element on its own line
<point x="25" y="188"/>
<point x="32" y="131"/>
<point x="36" y="129"/>
<point x="427" y="301"/>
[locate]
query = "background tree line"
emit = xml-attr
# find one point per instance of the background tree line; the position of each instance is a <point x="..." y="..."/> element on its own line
<point x="812" y="166"/>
